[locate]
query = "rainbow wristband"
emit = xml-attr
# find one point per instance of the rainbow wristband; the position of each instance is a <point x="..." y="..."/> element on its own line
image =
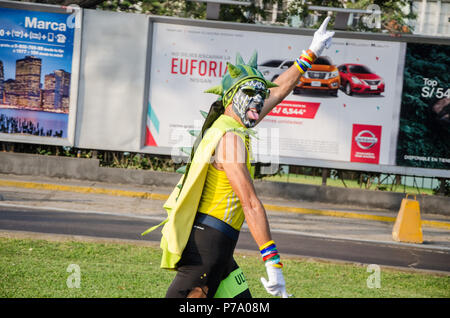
<point x="311" y="55"/>
<point x="302" y="58"/>
<point x="307" y="56"/>
<point x="305" y="63"/>
<point x="270" y="254"/>
<point x="299" y="67"/>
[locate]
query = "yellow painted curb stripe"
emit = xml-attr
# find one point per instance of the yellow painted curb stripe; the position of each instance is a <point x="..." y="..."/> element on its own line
<point x="341" y="214"/>
<point x="163" y="197"/>
<point x="79" y="189"/>
<point x="439" y="224"/>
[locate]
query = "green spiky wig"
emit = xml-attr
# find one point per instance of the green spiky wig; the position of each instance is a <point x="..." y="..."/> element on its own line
<point x="237" y="75"/>
<point x="231" y="81"/>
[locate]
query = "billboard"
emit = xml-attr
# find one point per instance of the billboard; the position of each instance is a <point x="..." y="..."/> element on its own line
<point x="37" y="96"/>
<point x="424" y="136"/>
<point x="351" y="93"/>
<point x="359" y="107"/>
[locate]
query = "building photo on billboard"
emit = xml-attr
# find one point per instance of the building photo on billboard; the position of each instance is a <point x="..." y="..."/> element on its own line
<point x="36" y="51"/>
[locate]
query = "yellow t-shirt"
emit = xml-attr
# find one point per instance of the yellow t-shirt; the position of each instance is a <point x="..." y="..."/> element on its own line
<point x="218" y="198"/>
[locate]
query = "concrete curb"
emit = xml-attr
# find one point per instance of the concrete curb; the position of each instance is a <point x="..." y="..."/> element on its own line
<point x="89" y="169"/>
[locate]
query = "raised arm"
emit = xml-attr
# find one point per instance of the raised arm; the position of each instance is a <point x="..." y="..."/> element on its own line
<point x="289" y="78"/>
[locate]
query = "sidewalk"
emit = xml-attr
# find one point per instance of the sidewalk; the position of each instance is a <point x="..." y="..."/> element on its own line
<point x="316" y="219"/>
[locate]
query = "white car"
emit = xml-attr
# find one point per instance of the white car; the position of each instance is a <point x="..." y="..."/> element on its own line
<point x="271" y="69"/>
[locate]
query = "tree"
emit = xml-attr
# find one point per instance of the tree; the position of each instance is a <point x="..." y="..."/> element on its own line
<point x="299" y="8"/>
<point x="395" y="15"/>
<point x="187" y="9"/>
<point x="179" y="8"/>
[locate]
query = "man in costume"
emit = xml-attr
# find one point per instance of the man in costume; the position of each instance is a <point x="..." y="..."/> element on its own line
<point x="208" y="206"/>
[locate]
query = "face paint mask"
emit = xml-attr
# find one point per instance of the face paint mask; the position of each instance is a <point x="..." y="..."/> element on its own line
<point x="249" y="101"/>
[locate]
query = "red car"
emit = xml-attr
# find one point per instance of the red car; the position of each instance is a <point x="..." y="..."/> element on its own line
<point x="357" y="78"/>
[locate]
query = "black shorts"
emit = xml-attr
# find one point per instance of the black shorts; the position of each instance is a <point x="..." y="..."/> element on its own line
<point x="207" y="262"/>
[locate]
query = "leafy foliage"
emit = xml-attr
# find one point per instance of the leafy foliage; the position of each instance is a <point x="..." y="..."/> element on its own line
<point x="180" y="8"/>
<point x="186" y="9"/>
<point x="393" y="17"/>
<point x="242" y="14"/>
<point x="443" y="187"/>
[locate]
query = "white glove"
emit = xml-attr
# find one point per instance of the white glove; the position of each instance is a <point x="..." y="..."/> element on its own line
<point x="276" y="285"/>
<point x="322" y="38"/>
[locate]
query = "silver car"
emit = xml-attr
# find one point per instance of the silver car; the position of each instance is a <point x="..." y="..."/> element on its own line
<point x="271" y="69"/>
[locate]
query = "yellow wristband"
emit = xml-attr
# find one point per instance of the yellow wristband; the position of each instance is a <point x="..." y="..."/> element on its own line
<point x="277" y="265"/>
<point x="266" y="245"/>
<point x="307" y="56"/>
<point x="299" y="68"/>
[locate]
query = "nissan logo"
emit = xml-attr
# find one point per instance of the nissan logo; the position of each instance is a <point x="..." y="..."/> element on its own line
<point x="366" y="139"/>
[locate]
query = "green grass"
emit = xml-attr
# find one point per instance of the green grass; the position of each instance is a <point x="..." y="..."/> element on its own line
<point x="352" y="184"/>
<point x="37" y="268"/>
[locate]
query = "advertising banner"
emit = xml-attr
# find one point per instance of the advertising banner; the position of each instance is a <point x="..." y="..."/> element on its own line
<point x="36" y="53"/>
<point x="345" y="108"/>
<point x="424" y="137"/>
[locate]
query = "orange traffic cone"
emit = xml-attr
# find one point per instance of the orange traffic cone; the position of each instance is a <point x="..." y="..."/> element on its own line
<point x="408" y="225"/>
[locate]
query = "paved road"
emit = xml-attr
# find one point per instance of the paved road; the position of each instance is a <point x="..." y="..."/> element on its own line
<point x="130" y="227"/>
